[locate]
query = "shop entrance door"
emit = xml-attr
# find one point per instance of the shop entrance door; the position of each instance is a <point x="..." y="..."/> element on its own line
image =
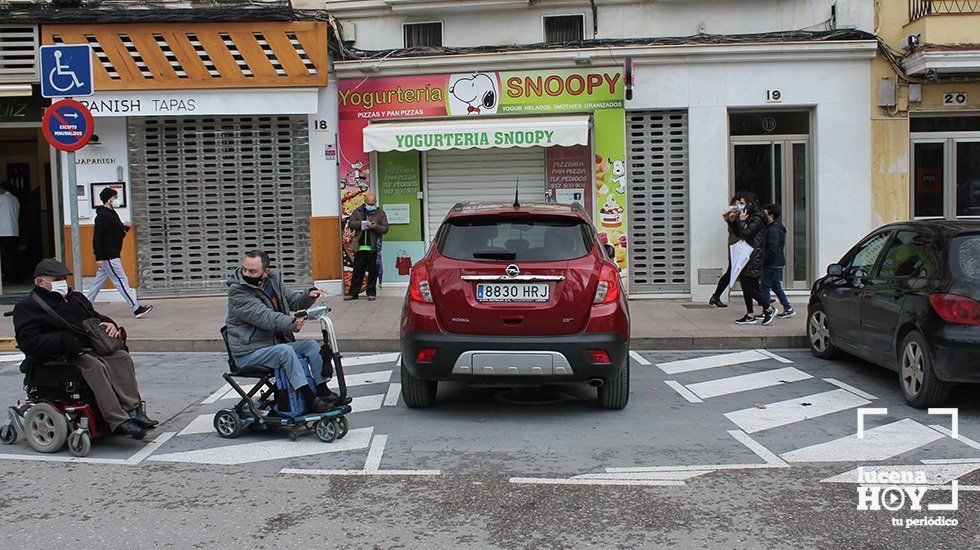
<point x="777" y="170"/>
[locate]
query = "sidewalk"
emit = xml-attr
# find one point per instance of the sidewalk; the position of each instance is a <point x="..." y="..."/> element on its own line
<point x="191" y="324"/>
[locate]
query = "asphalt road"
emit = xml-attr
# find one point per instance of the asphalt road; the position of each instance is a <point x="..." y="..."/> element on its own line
<point x="749" y="449"/>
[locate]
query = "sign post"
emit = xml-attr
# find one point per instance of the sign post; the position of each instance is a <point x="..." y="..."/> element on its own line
<point x="68" y="126"/>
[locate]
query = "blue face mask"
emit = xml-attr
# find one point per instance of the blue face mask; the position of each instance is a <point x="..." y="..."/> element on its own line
<point x="370" y="207"/>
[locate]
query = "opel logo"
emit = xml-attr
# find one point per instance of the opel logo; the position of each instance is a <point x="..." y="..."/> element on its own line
<point x="513" y="271"/>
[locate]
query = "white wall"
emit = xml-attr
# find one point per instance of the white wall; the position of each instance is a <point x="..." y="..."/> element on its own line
<point x="113" y="146"/>
<point x="324" y="186"/>
<point x="838" y="92"/>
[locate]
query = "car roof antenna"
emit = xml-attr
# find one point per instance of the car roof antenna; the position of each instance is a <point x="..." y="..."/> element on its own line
<point x="517" y="188"/>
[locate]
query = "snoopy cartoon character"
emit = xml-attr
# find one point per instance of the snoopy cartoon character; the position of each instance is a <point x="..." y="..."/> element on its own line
<point x="619" y="175"/>
<point x="475" y="94"/>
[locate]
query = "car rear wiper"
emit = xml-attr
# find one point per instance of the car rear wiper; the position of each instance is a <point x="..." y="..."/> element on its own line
<point x="495" y="255"/>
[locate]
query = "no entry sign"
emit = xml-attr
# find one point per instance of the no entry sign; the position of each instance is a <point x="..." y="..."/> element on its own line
<point x="67" y="125"/>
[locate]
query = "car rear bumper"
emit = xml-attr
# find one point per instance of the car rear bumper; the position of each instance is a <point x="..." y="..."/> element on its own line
<point x="514" y="360"/>
<point x="956" y="354"/>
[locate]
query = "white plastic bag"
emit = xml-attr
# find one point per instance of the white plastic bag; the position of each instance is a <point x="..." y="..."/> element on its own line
<point x="739" y="254"/>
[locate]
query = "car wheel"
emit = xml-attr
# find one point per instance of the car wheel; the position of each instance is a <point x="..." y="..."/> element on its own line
<point x="615" y="392"/>
<point x="818" y="334"/>
<point x="418" y="394"/>
<point x="919" y="383"/>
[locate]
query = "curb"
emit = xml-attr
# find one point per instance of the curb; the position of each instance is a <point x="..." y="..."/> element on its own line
<point x="8" y="344"/>
<point x="385" y="345"/>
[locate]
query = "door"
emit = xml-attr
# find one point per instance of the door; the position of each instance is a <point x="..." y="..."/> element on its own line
<point x="910" y="261"/>
<point x="946" y="176"/>
<point x="777" y="171"/>
<point x="659" y="205"/>
<point x="844" y="294"/>
<point x="478" y="175"/>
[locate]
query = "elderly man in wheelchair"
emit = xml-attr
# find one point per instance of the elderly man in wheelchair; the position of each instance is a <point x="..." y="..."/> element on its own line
<point x="48" y="328"/>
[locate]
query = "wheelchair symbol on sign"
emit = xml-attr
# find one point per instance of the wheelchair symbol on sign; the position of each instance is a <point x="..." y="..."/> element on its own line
<point x="63" y="71"/>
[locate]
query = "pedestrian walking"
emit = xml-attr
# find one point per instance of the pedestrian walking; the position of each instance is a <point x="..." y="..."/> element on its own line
<point x="9" y="233"/>
<point x="752" y="230"/>
<point x="730" y="217"/>
<point x="107" y="243"/>
<point x="775" y="261"/>
<point x="368" y="222"/>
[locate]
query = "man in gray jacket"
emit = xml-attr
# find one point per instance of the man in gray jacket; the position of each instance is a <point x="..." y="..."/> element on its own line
<point x="261" y="327"/>
<point x="368" y="223"/>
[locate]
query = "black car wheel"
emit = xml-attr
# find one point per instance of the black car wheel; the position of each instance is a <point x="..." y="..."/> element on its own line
<point x="418" y="394"/>
<point x="615" y="392"/>
<point x="915" y="374"/>
<point x="818" y="334"/>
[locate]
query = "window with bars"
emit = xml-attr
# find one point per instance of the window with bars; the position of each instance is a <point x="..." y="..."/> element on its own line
<point x="18" y="52"/>
<point x="420" y="35"/>
<point x="561" y="29"/>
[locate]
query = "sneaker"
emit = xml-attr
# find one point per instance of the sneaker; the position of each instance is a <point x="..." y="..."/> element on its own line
<point x="142" y="311"/>
<point x="768" y="315"/>
<point x="348" y="297"/>
<point x="371" y="298"/>
<point x="786" y="313"/>
<point x="745" y="320"/>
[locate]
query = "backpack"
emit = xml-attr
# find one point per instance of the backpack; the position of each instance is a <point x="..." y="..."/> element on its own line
<point x="289" y="402"/>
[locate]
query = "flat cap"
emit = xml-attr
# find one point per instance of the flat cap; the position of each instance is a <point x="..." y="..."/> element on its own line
<point x="51" y="268"/>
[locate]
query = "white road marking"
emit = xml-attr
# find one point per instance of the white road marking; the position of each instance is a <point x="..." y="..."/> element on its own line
<point x="757" y="448"/>
<point x="879" y="443"/>
<point x="150" y="448"/>
<point x="366" y="403"/>
<point x="274" y="449"/>
<point x="639" y="358"/>
<point x="962" y="438"/>
<point x="133" y="460"/>
<point x="850" y="388"/>
<point x="362" y="379"/>
<point x="698" y="467"/>
<point x="712" y="361"/>
<point x="394" y="392"/>
<point x="951" y="461"/>
<point x="200" y="425"/>
<point x="772" y="355"/>
<point x="754" y="419"/>
<point x="315" y="472"/>
<point x="613" y="482"/>
<point x="373" y="462"/>
<point x="369" y="359"/>
<point x="11" y="357"/>
<point x="684" y="392"/>
<point x="217" y="395"/>
<point x="746" y="382"/>
<point x="935" y="474"/>
<point x="676" y="475"/>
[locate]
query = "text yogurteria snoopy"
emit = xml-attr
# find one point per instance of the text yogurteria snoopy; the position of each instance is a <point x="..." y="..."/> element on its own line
<point x="619" y="175"/>
<point x="474" y="95"/>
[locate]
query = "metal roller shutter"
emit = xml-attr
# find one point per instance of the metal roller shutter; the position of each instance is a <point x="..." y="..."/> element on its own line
<point x="480" y="175"/>
<point x="658" y="201"/>
<point x="207" y="190"/>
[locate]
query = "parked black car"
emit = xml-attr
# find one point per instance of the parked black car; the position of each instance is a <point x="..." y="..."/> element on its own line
<point x="907" y="297"/>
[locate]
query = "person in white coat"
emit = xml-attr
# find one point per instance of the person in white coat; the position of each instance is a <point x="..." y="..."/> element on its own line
<point x="9" y="232"/>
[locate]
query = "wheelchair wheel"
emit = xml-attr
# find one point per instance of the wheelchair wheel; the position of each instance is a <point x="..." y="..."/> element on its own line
<point x="228" y="424"/>
<point x="79" y="443"/>
<point x="47" y="428"/>
<point x="326" y="430"/>
<point x="341" y="426"/>
<point x="8" y="435"/>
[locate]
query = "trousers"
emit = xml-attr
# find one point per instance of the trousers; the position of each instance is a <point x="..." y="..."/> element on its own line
<point x="112" y="379"/>
<point x="287" y="356"/>
<point x="112" y="270"/>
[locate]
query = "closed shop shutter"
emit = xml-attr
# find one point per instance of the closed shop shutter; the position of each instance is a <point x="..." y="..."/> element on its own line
<point x="478" y="176"/>
<point x="207" y="190"/>
<point x="658" y="201"/>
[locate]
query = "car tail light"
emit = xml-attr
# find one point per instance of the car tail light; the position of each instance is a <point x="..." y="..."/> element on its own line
<point x="956" y="309"/>
<point x="425" y="355"/>
<point x="608" y="289"/>
<point x="418" y="286"/>
<point x="599" y="356"/>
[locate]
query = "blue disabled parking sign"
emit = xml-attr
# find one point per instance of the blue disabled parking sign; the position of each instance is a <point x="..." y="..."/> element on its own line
<point x="66" y="70"/>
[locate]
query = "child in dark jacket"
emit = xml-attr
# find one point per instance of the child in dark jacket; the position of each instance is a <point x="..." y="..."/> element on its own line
<point x="775" y="261"/>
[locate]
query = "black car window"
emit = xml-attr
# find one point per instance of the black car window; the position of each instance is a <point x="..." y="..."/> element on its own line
<point x="537" y="239"/>
<point x="867" y="253"/>
<point x="964" y="257"/>
<point x="911" y="254"/>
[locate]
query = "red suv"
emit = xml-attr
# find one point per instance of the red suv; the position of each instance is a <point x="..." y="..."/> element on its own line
<point x="515" y="295"/>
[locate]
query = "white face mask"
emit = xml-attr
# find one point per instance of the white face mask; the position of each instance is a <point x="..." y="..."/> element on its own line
<point x="115" y="203"/>
<point x="61" y="287"/>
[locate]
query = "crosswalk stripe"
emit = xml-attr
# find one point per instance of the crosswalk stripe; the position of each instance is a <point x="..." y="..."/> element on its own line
<point x="274" y="449"/>
<point x="369" y="359"/>
<point x="753" y="419"/>
<point x="746" y="382"/>
<point x="935" y="474"/>
<point x="712" y="361"/>
<point x="879" y="443"/>
<point x="684" y="392"/>
<point x="368" y="378"/>
<point x="391" y="398"/>
<point x="850" y="388"/>
<point x="639" y="358"/>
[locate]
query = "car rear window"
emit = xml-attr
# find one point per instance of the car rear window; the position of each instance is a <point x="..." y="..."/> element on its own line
<point x="964" y="257"/>
<point x="538" y="239"/>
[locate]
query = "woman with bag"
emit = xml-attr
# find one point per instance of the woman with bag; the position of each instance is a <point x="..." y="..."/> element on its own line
<point x="752" y="229"/>
<point x="730" y="217"/>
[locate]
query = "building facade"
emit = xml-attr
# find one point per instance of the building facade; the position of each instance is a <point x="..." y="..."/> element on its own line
<point x="770" y="97"/>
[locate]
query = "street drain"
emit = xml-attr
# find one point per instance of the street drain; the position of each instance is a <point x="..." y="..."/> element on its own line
<point x="531" y="396"/>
